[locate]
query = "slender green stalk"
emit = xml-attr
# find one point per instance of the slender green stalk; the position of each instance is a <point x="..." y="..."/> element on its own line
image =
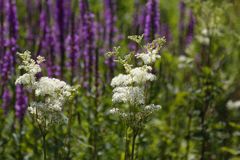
<point x="134" y="136"/>
<point x="44" y="147"/>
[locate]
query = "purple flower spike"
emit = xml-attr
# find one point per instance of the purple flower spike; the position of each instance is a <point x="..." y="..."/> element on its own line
<point x="13" y="27"/>
<point x="152" y="20"/>
<point x="6" y="67"/>
<point x="2" y="36"/>
<point x="190" y="29"/>
<point x="182" y="9"/>
<point x="73" y="48"/>
<point x="110" y="20"/>
<point x="87" y="41"/>
<point x="165" y="31"/>
<point x="21" y="103"/>
<point x="6" y="97"/>
<point x="60" y="32"/>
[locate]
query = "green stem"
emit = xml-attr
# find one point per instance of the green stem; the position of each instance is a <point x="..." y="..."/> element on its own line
<point x="44" y="147"/>
<point x="126" y="145"/>
<point x="133" y="145"/>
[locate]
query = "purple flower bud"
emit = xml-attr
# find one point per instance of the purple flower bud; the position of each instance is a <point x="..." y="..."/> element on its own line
<point x="21" y="103"/>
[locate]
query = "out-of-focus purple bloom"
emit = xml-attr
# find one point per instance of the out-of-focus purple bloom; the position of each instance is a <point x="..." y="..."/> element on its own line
<point x="60" y="27"/>
<point x="21" y="103"/>
<point x="43" y="29"/>
<point x="1" y="28"/>
<point x="12" y="18"/>
<point x="87" y="41"/>
<point x="165" y="31"/>
<point x="6" y="98"/>
<point x="89" y="48"/>
<point x="6" y="67"/>
<point x="48" y="43"/>
<point x="83" y="9"/>
<point x="67" y="14"/>
<point x="152" y="20"/>
<point x="182" y="10"/>
<point x="73" y="47"/>
<point x="138" y="23"/>
<point x="190" y="28"/>
<point x="110" y="19"/>
<point x="11" y="42"/>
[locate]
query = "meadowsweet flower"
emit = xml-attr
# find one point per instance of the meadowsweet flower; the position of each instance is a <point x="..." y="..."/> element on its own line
<point x="233" y="104"/>
<point x="148" y="58"/>
<point x="51" y="93"/>
<point x="152" y="107"/>
<point x="26" y="79"/>
<point x="141" y="75"/>
<point x="121" y="80"/>
<point x="114" y="111"/>
<point x="130" y="88"/>
<point x="128" y="95"/>
<point x="51" y="86"/>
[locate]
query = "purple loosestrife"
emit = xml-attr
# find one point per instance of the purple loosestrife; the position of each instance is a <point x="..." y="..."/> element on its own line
<point x="165" y="31"/>
<point x="190" y="28"/>
<point x="6" y="66"/>
<point x="138" y="23"/>
<point x="73" y="48"/>
<point x="87" y="41"/>
<point x="152" y="20"/>
<point x="6" y="98"/>
<point x="110" y="20"/>
<point x="21" y="103"/>
<point x="89" y="49"/>
<point x="60" y="29"/>
<point x="13" y="28"/>
<point x="48" y="42"/>
<point x="1" y="29"/>
<point x="182" y="10"/>
<point x="43" y="30"/>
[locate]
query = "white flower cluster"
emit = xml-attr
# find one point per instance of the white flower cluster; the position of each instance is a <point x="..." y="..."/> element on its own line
<point x="31" y="67"/>
<point x="150" y="57"/>
<point x="130" y="88"/>
<point x="233" y="105"/>
<point x="130" y="94"/>
<point x="50" y="93"/>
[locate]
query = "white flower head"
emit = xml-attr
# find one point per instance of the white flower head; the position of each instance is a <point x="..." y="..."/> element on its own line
<point x="114" y="111"/>
<point x="233" y="105"/>
<point x="150" y="57"/>
<point x="26" y="79"/>
<point x="132" y="95"/>
<point x="152" y="107"/>
<point x="51" y="86"/>
<point x="141" y="75"/>
<point x="121" y="80"/>
<point x="52" y="92"/>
